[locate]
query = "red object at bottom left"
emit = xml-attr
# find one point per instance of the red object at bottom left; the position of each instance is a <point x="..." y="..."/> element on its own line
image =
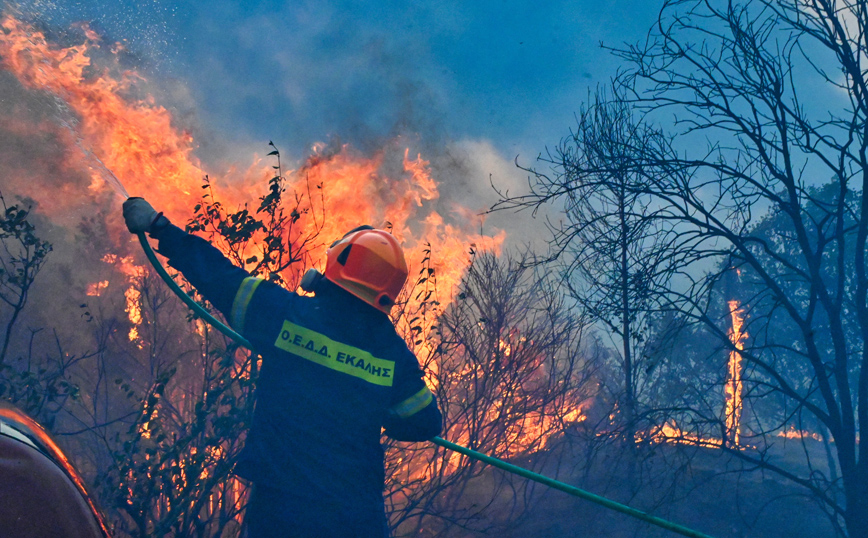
<point x="41" y="493"/>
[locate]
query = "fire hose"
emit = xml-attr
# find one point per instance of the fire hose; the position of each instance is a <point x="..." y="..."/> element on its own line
<point x="484" y="458"/>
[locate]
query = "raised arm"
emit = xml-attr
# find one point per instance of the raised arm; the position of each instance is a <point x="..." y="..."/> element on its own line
<point x="205" y="267"/>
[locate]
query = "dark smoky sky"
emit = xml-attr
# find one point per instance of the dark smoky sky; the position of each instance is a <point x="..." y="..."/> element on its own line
<point x="470" y="85"/>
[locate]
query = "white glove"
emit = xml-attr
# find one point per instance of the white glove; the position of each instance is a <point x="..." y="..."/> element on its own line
<point x="139" y="215"/>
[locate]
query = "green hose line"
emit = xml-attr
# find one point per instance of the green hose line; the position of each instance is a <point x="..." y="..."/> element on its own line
<point x="484" y="458"/>
<point x="196" y="307"/>
<point x="572" y="490"/>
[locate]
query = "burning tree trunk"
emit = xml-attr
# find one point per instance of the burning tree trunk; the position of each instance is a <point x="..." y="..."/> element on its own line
<point x="734" y="387"/>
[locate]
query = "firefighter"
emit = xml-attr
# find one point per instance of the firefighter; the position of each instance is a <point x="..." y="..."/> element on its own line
<point x="334" y="376"/>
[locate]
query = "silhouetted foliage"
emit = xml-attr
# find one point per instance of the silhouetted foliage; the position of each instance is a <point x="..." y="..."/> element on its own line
<point x="23" y="255"/>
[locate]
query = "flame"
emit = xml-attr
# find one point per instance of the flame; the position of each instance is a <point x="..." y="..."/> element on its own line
<point x="96" y="288"/>
<point x="126" y="265"/>
<point x="670" y="432"/>
<point x="134" y="139"/>
<point x="134" y="311"/>
<point x="133" y="296"/>
<point x="734" y="388"/>
<point x="793" y="433"/>
<point x="138" y="141"/>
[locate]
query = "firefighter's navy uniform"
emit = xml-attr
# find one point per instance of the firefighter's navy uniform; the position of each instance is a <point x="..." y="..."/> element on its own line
<point x="334" y="373"/>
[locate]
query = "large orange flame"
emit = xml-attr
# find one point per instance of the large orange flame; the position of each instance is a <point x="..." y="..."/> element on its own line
<point x="137" y="140"/>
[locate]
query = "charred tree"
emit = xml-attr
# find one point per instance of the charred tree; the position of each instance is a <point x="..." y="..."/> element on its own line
<point x="615" y="254"/>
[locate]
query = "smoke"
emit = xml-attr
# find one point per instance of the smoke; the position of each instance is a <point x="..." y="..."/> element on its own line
<point x="314" y="72"/>
<point x="473" y="173"/>
<point x="65" y="102"/>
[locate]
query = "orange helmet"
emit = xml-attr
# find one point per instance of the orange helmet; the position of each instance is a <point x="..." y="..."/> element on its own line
<point x="370" y="264"/>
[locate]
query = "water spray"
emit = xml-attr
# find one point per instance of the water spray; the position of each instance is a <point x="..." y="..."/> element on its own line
<point x="67" y="120"/>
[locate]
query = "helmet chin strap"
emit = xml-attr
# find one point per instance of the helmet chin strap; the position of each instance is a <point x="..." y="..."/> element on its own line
<point x="310" y="280"/>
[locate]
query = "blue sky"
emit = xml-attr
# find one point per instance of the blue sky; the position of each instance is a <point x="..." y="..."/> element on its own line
<point x="480" y="82"/>
<point x="512" y="73"/>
